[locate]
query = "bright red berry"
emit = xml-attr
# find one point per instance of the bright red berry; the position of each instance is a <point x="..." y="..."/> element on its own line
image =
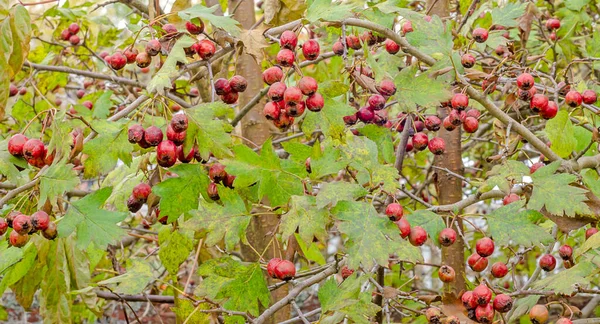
<point x="315" y="102"/>
<point x="206" y="49"/>
<point x="65" y="35"/>
<point x="460" y="101"/>
<point x="485" y="314"/>
<point x="420" y="141"/>
<point x="288" y="39"/>
<point x="499" y="270"/>
<point x="141" y="191"/>
<point x="391" y="46"/>
<point x="525" y="81"/>
<point x="565" y="252"/>
<point x="538" y="103"/>
<point x="271" y="111"/>
<point x="470" y="125"/>
<point x="285" y="57"/>
<point x="394" y="211"/>
<point x="468" y="300"/>
<point x="589" y="97"/>
<point x="482" y="294"/>
<point x="166" y="153"/>
<point x="74" y="28"/>
<point x="16" y="144"/>
<point x="308" y="85"/>
<point x="437" y="145"/>
<point x="311" y="49"/>
<point x="447" y="237"/>
<point x="477" y="263"/>
<point x="118" y="61"/>
<point x="271" y="267"/>
<point x="193" y="28"/>
<point x="573" y="98"/>
<point x="403" y="227"/>
<point x="417" y="236"/>
<point x="547" y="262"/>
<point x="285" y="270"/>
<point x="272" y="75"/>
<point x="34" y="149"/>
<point x="552" y="24"/>
<point x="484" y="246"/>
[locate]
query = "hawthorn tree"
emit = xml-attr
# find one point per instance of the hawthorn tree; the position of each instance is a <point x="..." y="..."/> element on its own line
<point x="291" y="161"/>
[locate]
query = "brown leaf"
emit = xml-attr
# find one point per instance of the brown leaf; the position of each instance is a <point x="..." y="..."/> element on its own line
<point x="428" y="299"/>
<point x="280" y="12"/>
<point x="458" y="310"/>
<point x="271" y="9"/>
<point x="253" y="42"/>
<point x="390" y="292"/>
<point x="567" y="224"/>
<point x="526" y="22"/>
<point x="475" y="75"/>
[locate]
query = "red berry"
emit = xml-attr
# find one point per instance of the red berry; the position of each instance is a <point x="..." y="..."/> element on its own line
<point x="153" y="47"/>
<point x="407" y="27"/>
<point x="565" y="252"/>
<point x="538" y="103"/>
<point x="387" y="88"/>
<point x="589" y="97"/>
<point x="65" y="34"/>
<point x="213" y="191"/>
<point x="448" y="124"/>
<point x="228" y="182"/>
<point x="3" y="226"/>
<point x="39" y="220"/>
<point x="394" y="211"/>
<point x="272" y="75"/>
<point x="74" y="28"/>
<point x="538" y="314"/>
<point x="503" y="303"/>
<point x="417" y="236"/>
<point x="285" y="270"/>
<point x="230" y="98"/>
<point x="391" y="46"/>
<point x="284" y="121"/>
<point x="468" y="300"/>
<point x="50" y="233"/>
<point x="470" y="124"/>
<point x="553" y="36"/>
<point x="353" y="42"/>
<point x="480" y="35"/>
<point x="118" y="61"/>
<point x="34" y="149"/>
<point x="484" y="314"/>
<point x="433" y="315"/>
<point x="311" y="49"/>
<point x="510" y="199"/>
<point x="292" y="95"/>
<point x="488" y="86"/>
<point x="169" y="28"/>
<point x="238" y="83"/>
<point x="288" y="40"/>
<point x="179" y="122"/>
<point x="484" y="246"/>
<point x="22" y="224"/>
<point x="153" y="136"/>
<point x="376" y="102"/>
<point x="222" y="86"/>
<point x="447" y="237"/>
<point x="437" y="145"/>
<point x="499" y="270"/>
<point x="16" y="144"/>
<point x="308" y="85"/>
<point x="477" y="263"/>
<point x="573" y="98"/>
<point x="420" y="141"/>
<point x="552" y="24"/>
<point x="460" y="101"/>
<point x="285" y="57"/>
<point x="206" y="49"/>
<point x="525" y="81"/>
<point x="13" y="90"/>
<point x="467" y="60"/>
<point x="403" y="227"/>
<point x="346" y="272"/>
<point x="315" y="102"/>
<point x="17" y="240"/>
<point x="183" y="157"/>
<point x="368" y="38"/>
<point x="176" y="137"/>
<point x="446" y="273"/>
<point x="590" y="231"/>
<point x="547" y="262"/>
<point x="141" y="191"/>
<point x="482" y="294"/>
<point x="74" y="40"/>
<point x="143" y="60"/>
<point x="535" y="167"/>
<point x="271" y="267"/>
<point x="433" y="123"/>
<point x="166" y="153"/>
<point x="135" y="133"/>
<point x="338" y="48"/>
<point x="564" y="320"/>
<point x="194" y="29"/>
<point x="295" y="109"/>
<point x="271" y="111"/>
<point x="351" y="119"/>
<point x="217" y="172"/>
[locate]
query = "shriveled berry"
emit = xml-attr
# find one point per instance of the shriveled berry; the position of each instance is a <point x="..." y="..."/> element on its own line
<point x="217" y="172"/>
<point x="338" y="48"/>
<point x="135" y="133"/>
<point x="437" y="145"/>
<point x="433" y="315"/>
<point x="153" y="47"/>
<point x="222" y="86"/>
<point x="376" y="102"/>
<point x="179" y="122"/>
<point x="467" y="60"/>
<point x="143" y="60"/>
<point x="295" y="109"/>
<point x="285" y="57"/>
<point x="153" y="136"/>
<point x="346" y="272"/>
<point x="193" y="28"/>
<point x="480" y="35"/>
<point x="213" y="191"/>
<point x="238" y="83"/>
<point x="503" y="303"/>
<point x="353" y="42"/>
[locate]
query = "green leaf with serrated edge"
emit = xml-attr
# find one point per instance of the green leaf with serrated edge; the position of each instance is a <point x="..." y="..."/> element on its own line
<point x="298" y="152"/>
<point x="333" y="192"/>
<point x="503" y="175"/>
<point x="329" y="119"/>
<point x="186" y="311"/>
<point x="592" y="181"/>
<point x="333" y="88"/>
<point x="264" y="170"/>
<point x="576" y="5"/>
<point x="371" y="238"/>
<point x="55" y="181"/>
<point x="10" y="256"/>
<point x="522" y="307"/>
<point x="325" y="10"/>
<point x="133" y="281"/>
<point x="346" y="299"/>
<point x="242" y="287"/>
<point x="79" y="270"/>
<point x="431" y="222"/>
<point x="208" y="14"/>
<point x="311" y="252"/>
<point x="110" y="146"/>
<point x="227" y="221"/>
<point x="123" y="178"/>
<point x="566" y="281"/>
<point x="175" y="247"/>
<point x="19" y="269"/>
<point x="102" y="105"/>
<point x="419" y="90"/>
<point x="9" y="169"/>
<point x="305" y="217"/>
<point x="168" y="71"/>
<point x="433" y="37"/>
<point x="27" y="287"/>
<point x="207" y="131"/>
<point x="91" y="223"/>
<point x="391" y="6"/>
<point x="554" y="192"/>
<point x="182" y="193"/>
<point x="560" y="132"/>
<point x="592" y="243"/>
<point x="382" y="136"/>
<point x="61" y="138"/>
<point x="509" y="224"/>
<point x="326" y="162"/>
<point x="55" y="300"/>
<point x="508" y="14"/>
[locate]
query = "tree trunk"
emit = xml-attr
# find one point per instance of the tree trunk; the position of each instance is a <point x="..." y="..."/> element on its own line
<point x="255" y="128"/>
<point x="448" y="187"/>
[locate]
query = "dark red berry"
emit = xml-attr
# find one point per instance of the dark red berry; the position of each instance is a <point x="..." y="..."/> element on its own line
<point x="288" y="39"/>
<point x="480" y="35"/>
<point x="437" y="145"/>
<point x="153" y="47"/>
<point x="417" y="236"/>
<point x="153" y="136"/>
<point x="315" y="102"/>
<point x="22" y="224"/>
<point x="166" y="153"/>
<point x="589" y="97"/>
<point x="547" y="262"/>
<point x="447" y="237"/>
<point x="311" y="49"/>
<point x="565" y="252"/>
<point x="40" y="220"/>
<point x="285" y="57"/>
<point x="193" y="28"/>
<point x="222" y="86"/>
<point x="238" y="83"/>
<point x="525" y="81"/>
<point x="285" y="270"/>
<point x="467" y="60"/>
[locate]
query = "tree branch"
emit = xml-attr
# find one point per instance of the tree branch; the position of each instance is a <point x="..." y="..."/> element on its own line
<point x="89" y="74"/>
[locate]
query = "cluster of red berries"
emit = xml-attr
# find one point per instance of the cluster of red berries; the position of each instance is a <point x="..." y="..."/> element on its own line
<point x="33" y="150"/>
<point x="416" y="235"/>
<point x="70" y="34"/>
<point x="552" y="25"/>
<point x="538" y="103"/>
<point x="13" y="90"/>
<point x="24" y="225"/>
<point x="480" y="306"/>
<point x="229" y="89"/>
<point x="286" y="103"/>
<point x="138" y="197"/>
<point x="281" y="269"/>
<point x="478" y="261"/>
<point x="217" y="174"/>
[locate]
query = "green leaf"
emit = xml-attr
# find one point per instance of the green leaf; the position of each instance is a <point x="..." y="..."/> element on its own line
<point x="110" y="146"/>
<point x="576" y="5"/>
<point x="329" y="119"/>
<point x="561" y="133"/>
<point x="333" y="192"/>
<point x="325" y="10"/>
<point x="123" y="179"/>
<point x="19" y="269"/>
<point x="228" y="221"/>
<point x="175" y="247"/>
<point x="431" y="222"/>
<point x="55" y="300"/>
<point x="241" y="286"/>
<point x="10" y="256"/>
<point x="168" y="71"/>
<point x="266" y="171"/>
<point x="419" y="90"/>
<point x="211" y="134"/>
<point x="554" y="192"/>
<point x="55" y="181"/>
<point x="509" y="224"/>
<point x="326" y="162"/>
<point x="92" y="224"/>
<point x="137" y="277"/>
<point x="432" y="37"/>
<point x="181" y="194"/>
<point x="346" y="299"/>
<point x="102" y="105"/>
<point x="565" y="281"/>
<point x="208" y="14"/>
<point x="311" y="251"/>
<point x="508" y="15"/>
<point x="186" y="311"/>
<point x="504" y="175"/>
<point x="592" y="181"/>
<point x="305" y="217"/>
<point x="371" y="238"/>
<point x="382" y="136"/>
<point x="333" y="88"/>
<point x="591" y="243"/>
